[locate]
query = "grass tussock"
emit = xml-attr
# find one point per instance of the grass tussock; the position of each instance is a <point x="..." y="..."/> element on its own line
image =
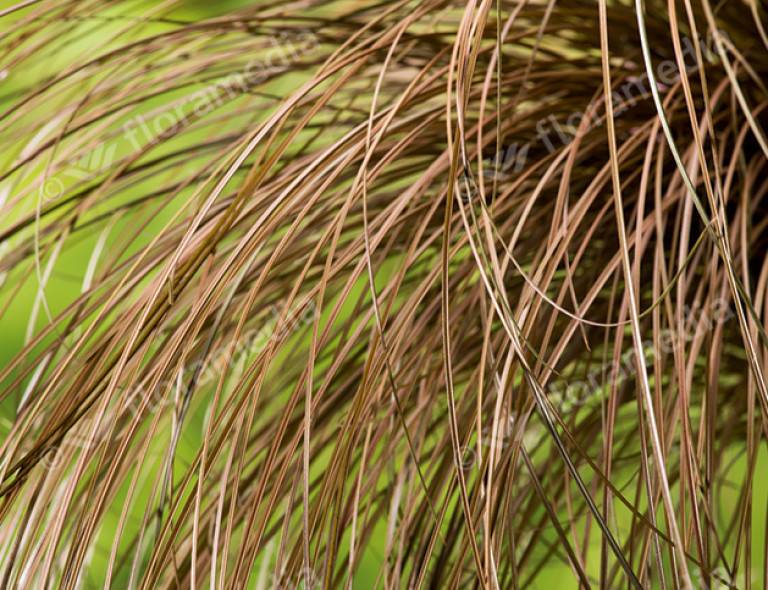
<point x="384" y="294"/>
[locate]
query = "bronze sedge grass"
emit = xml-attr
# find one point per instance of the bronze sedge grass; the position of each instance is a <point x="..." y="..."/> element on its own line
<point x="456" y="296"/>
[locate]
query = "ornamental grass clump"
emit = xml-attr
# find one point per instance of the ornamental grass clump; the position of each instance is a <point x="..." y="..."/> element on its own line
<point x="410" y="294"/>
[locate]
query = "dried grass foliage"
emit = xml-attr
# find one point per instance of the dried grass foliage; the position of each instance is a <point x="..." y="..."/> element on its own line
<point x="317" y="331"/>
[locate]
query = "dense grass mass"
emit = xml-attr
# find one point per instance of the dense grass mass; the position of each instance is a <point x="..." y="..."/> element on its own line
<point x="409" y="294"/>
